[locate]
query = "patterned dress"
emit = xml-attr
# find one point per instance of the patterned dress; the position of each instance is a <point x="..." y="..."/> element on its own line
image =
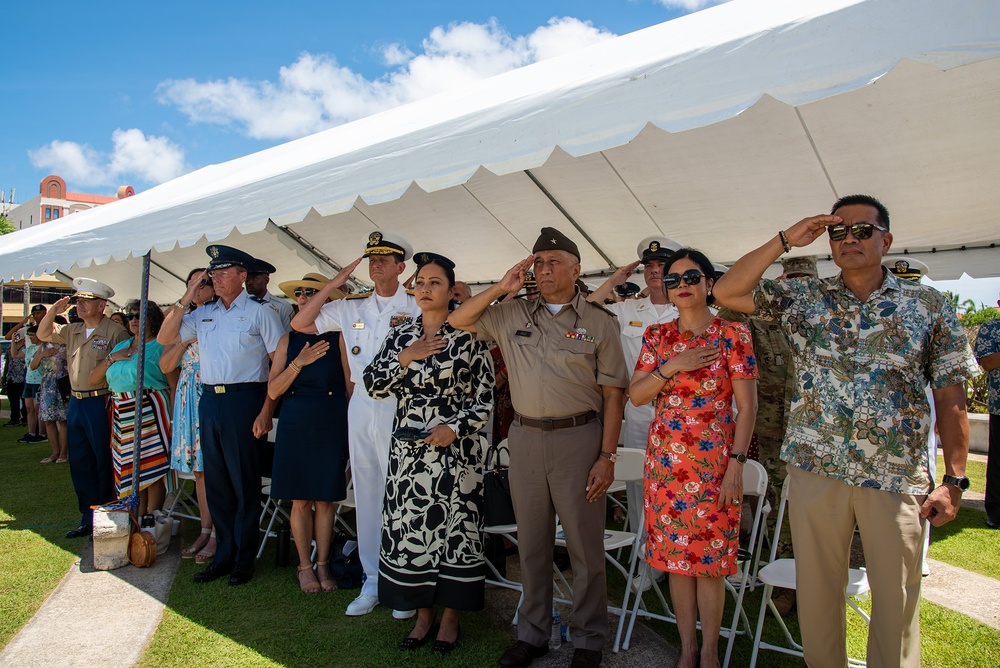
<point x="185" y="454"/>
<point x="432" y="541"/>
<point x="690" y="440"/>
<point x="51" y="406"/>
<point x="153" y="426"/>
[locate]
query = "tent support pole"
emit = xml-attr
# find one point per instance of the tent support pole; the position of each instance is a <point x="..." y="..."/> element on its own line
<point x="565" y="213"/>
<point x="140" y="357"/>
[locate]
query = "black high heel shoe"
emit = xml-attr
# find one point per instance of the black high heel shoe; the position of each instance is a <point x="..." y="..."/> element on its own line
<point x="409" y="644"/>
<point x="443" y="647"/>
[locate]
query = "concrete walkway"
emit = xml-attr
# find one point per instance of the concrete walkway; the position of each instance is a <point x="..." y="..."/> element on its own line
<point x="96" y="618"/>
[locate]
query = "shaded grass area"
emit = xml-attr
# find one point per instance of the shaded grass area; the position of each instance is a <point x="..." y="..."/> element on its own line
<point x="37" y="507"/>
<point x="270" y="622"/>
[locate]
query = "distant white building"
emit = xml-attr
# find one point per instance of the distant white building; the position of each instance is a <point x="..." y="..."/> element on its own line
<point x="54" y="202"/>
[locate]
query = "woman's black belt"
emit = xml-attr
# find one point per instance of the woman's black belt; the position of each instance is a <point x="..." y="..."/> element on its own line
<point x="551" y="424"/>
<point x="232" y="387"/>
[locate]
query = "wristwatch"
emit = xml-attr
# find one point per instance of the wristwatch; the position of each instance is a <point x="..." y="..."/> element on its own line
<point x="611" y="456"/>
<point x="956" y="481"/>
<point x="740" y="457"/>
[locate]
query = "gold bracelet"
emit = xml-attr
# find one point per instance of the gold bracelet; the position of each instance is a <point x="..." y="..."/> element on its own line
<point x="656" y="374"/>
<point x="295" y="367"/>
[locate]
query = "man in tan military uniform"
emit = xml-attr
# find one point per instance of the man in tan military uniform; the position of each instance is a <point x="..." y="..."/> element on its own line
<point x="567" y="375"/>
<point x="88" y="426"/>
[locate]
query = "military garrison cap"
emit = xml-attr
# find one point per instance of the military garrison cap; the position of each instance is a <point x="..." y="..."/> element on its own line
<point x="424" y="257"/>
<point x="800" y="266"/>
<point x="553" y="239"/>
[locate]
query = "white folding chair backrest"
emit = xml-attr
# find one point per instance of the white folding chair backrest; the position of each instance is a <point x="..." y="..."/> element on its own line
<point x="631" y="465"/>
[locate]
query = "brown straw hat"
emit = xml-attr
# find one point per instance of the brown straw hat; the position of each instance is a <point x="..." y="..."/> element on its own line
<point x="310" y="280"/>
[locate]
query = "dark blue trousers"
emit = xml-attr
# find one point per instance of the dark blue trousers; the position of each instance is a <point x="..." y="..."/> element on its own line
<point x="993" y="471"/>
<point x="232" y="471"/>
<point x="88" y="433"/>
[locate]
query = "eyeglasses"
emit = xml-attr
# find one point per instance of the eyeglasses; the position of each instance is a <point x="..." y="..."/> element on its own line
<point x="129" y="317"/>
<point x="691" y="277"/>
<point x="860" y="231"/>
<point x="222" y="273"/>
<point x="308" y="292"/>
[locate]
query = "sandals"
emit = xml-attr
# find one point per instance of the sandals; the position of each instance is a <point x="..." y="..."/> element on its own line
<point x="307" y="585"/>
<point x="48" y="460"/>
<point x="62" y="460"/>
<point x="195" y="547"/>
<point x="207" y="553"/>
<point x="327" y="585"/>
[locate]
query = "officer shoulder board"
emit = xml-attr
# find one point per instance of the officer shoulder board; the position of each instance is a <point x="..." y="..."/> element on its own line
<point x="363" y="295"/>
<point x="599" y="307"/>
<point x="409" y="292"/>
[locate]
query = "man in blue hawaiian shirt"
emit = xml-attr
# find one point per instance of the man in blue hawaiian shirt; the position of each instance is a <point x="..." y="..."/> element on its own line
<point x="865" y="345"/>
<point x="988" y="354"/>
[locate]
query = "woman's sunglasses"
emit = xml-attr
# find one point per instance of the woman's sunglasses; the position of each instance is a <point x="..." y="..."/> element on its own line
<point x="691" y="277"/>
<point x="860" y="231"/>
<point x="129" y="317"/>
<point x="308" y="292"/>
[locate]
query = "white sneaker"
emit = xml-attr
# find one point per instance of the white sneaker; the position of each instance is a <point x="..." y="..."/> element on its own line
<point x="403" y="614"/>
<point x="925" y="568"/>
<point x="651" y="574"/>
<point x="361" y="606"/>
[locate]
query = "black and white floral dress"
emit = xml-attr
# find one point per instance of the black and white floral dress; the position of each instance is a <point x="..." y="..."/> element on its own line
<point x="432" y="541"/>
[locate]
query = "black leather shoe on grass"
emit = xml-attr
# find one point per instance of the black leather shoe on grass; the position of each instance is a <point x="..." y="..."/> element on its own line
<point x="521" y="654"/>
<point x="80" y="532"/>
<point x="586" y="658"/>
<point x="240" y="576"/>
<point x="213" y="572"/>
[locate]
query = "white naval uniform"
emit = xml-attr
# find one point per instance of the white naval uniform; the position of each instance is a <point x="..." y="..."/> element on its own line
<point x="634" y="316"/>
<point x="279" y="306"/>
<point x="369" y="421"/>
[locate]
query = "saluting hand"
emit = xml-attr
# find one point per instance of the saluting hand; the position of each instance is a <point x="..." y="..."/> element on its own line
<point x="198" y="280"/>
<point x="513" y="280"/>
<point x="810" y="229"/>
<point x="311" y="353"/>
<point x="61" y="306"/>
<point x="622" y="274"/>
<point x="340" y="280"/>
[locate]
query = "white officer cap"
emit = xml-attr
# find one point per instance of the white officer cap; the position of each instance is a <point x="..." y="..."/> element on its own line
<point x="386" y="243"/>
<point x="89" y="288"/>
<point x="905" y="267"/>
<point x="656" y="247"/>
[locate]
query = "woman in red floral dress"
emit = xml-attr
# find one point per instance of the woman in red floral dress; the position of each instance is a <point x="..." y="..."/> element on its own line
<point x="692" y="368"/>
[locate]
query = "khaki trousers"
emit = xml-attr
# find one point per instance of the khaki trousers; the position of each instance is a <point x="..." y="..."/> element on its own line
<point x="548" y="475"/>
<point x="823" y="513"/>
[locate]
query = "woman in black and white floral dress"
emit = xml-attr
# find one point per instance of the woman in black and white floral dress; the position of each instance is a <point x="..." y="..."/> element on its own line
<point x="432" y="546"/>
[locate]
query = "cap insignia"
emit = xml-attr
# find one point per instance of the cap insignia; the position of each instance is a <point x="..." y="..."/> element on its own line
<point x="902" y="266"/>
<point x="213" y="251"/>
<point x="374" y="239"/>
<point x="654" y="246"/>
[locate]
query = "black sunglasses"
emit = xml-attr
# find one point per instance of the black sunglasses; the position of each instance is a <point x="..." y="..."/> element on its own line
<point x="308" y="292"/>
<point x="691" y="277"/>
<point x="129" y="317"/>
<point x="859" y="230"/>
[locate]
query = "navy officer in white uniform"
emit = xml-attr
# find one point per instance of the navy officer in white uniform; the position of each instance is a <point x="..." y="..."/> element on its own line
<point x="364" y="321"/>
<point x="236" y="337"/>
<point x="258" y="276"/>
<point x="634" y="316"/>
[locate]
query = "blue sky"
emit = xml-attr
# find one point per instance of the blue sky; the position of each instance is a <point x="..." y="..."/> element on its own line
<point x="112" y="93"/>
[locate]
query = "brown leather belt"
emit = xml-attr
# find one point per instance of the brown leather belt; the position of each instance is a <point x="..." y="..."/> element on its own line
<point x="551" y="424"/>
<point x="88" y="394"/>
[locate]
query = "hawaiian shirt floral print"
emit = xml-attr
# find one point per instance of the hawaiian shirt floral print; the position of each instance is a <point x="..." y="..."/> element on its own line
<point x="859" y="410"/>
<point x="987" y="343"/>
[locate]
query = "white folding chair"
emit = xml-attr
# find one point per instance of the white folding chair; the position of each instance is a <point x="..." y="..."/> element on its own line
<point x="346" y="504"/>
<point x="629" y="467"/>
<point x="781" y="573"/>
<point x="270" y="513"/>
<point x="754" y="484"/>
<point x="183" y="503"/>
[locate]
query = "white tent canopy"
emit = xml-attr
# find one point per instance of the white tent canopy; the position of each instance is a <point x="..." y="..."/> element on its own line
<point x="714" y="129"/>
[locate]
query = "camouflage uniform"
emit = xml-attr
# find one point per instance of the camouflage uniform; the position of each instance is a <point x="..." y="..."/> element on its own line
<point x="774" y="393"/>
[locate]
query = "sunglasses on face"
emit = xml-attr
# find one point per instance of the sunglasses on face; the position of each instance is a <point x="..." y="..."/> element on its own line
<point x="129" y="317"/>
<point x="308" y="292"/>
<point x="690" y="277"/>
<point x="859" y="230"/>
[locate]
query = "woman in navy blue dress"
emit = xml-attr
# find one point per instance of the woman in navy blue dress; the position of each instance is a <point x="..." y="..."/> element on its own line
<point x="310" y="448"/>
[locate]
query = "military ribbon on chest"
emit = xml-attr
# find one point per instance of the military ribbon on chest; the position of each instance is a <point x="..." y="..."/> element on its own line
<point x="400" y="319"/>
<point x="578" y="335"/>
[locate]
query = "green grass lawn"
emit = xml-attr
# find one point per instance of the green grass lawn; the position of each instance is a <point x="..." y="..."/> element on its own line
<point x="269" y="622"/>
<point x="975" y="471"/>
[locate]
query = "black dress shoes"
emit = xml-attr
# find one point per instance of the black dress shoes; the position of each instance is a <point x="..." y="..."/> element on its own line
<point x="213" y="572"/>
<point x="409" y="644"/>
<point x="442" y="647"/>
<point x="241" y="575"/>
<point x="80" y="532"/>
<point x="521" y="654"/>
<point x="586" y="658"/>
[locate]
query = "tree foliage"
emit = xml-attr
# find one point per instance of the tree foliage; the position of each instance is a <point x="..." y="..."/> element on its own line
<point x="6" y="227"/>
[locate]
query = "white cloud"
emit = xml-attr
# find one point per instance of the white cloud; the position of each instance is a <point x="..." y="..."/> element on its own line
<point x="134" y="156"/>
<point x="690" y="5"/>
<point x="315" y="92"/>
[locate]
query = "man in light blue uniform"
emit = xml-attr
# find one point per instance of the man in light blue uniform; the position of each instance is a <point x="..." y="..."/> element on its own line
<point x="364" y="321"/>
<point x="236" y="338"/>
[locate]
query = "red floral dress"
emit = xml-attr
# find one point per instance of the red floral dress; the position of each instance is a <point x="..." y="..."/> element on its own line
<point x="690" y="439"/>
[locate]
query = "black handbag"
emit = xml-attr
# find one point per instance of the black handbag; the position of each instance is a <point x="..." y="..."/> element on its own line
<point x="498" y="506"/>
<point x="62" y="384"/>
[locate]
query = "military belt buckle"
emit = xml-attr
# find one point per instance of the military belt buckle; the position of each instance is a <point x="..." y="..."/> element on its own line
<point x="219" y="389"/>
<point x="545" y="424"/>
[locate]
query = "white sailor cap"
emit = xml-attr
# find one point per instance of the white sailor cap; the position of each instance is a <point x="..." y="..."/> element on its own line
<point x="386" y="243"/>
<point x="905" y="267"/>
<point x="656" y="247"/>
<point x="89" y="288"/>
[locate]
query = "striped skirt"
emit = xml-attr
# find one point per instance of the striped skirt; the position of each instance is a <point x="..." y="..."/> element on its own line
<point x="154" y="455"/>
